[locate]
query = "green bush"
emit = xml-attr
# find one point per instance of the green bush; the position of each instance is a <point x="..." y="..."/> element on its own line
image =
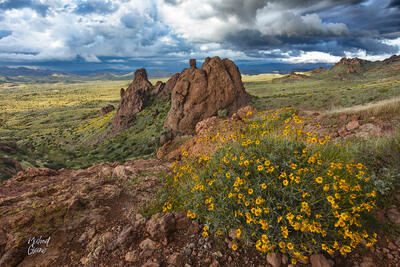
<point x="278" y="188"/>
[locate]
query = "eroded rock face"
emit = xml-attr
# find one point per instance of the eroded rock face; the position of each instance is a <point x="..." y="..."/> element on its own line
<point x="170" y="84"/>
<point x="199" y="94"/>
<point x="158" y="87"/>
<point x="133" y="100"/>
<point x="107" y="109"/>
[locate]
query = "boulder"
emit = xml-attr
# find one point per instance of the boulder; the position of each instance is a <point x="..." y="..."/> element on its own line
<point x="318" y="260"/>
<point x="107" y="109"/>
<point x="160" y="226"/>
<point x="133" y="100"/>
<point x="351" y="126"/>
<point x="199" y="94"/>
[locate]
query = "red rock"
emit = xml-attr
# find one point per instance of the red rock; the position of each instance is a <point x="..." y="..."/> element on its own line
<point x="343" y="117"/>
<point x="204" y="125"/>
<point x="170" y="84"/>
<point x="133" y="100"/>
<point x="176" y="259"/>
<point x="192" y="63"/>
<point x="147" y="244"/>
<point x="394" y="215"/>
<point x="274" y="259"/>
<point x="318" y="260"/>
<point x="245" y="112"/>
<point x="200" y="93"/>
<point x="160" y="226"/>
<point x="158" y="87"/>
<point x="354" y="117"/>
<point x="392" y="246"/>
<point x="351" y="126"/>
<point x="151" y="264"/>
<point x="107" y="109"/>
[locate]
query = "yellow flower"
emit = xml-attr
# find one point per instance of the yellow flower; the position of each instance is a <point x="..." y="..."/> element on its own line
<point x="246" y="163"/>
<point x="228" y="175"/>
<point x="234" y="247"/>
<point x="319" y="180"/>
<point x="267" y="163"/>
<point x="263" y="186"/>
<point x="260" y="167"/>
<point x="285" y="182"/>
<point x="219" y="232"/>
<point x="326" y="188"/>
<point x="282" y="244"/>
<point x="290" y="246"/>
<point x="250" y="191"/>
<point x="204" y="234"/>
<point x="211" y="207"/>
<point x="238" y="233"/>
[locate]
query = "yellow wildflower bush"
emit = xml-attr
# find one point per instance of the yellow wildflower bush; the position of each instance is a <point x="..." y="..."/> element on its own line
<point x="278" y="189"/>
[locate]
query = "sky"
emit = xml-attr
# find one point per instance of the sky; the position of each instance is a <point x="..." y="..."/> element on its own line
<point x="122" y="35"/>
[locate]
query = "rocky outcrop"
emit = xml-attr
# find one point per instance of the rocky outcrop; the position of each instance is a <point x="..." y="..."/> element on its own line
<point x="392" y="59"/>
<point x="133" y="100"/>
<point x="352" y="61"/>
<point x="200" y="93"/>
<point x="319" y="70"/>
<point x="292" y="77"/>
<point x="158" y="87"/>
<point x="79" y="210"/>
<point x="105" y="110"/>
<point x="170" y="84"/>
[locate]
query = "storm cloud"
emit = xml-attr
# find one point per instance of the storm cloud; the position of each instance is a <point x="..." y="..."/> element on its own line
<point x="116" y="32"/>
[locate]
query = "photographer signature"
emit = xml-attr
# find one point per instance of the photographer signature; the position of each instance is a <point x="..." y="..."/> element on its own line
<point x="36" y="245"/>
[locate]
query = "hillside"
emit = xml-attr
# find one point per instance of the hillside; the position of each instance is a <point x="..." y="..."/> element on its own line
<point x="205" y="168"/>
<point x="354" y="68"/>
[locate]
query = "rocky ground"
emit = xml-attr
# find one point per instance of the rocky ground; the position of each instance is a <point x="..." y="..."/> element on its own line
<point x="97" y="217"/>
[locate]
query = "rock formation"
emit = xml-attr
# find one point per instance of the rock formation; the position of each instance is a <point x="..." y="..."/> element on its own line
<point x="158" y="87"/>
<point x="199" y="94"/>
<point x="107" y="109"/>
<point x="352" y="61"/>
<point x="133" y="100"/>
<point x="292" y="77"/>
<point x="170" y="84"/>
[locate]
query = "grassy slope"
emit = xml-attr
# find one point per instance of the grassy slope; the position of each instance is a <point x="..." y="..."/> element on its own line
<point x="43" y="120"/>
<point x="323" y="94"/>
<point x="52" y="122"/>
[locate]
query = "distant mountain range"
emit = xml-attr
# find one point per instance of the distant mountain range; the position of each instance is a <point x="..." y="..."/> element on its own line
<point x="24" y="71"/>
<point x="346" y="68"/>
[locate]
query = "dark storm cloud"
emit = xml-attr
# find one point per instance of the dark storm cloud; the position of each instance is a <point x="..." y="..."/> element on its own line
<point x="96" y="6"/>
<point x="252" y="39"/>
<point x="246" y="10"/>
<point x="394" y="3"/>
<point x="17" y="4"/>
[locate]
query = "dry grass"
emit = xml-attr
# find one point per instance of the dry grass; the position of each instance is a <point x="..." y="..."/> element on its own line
<point x="260" y="77"/>
<point x="384" y="107"/>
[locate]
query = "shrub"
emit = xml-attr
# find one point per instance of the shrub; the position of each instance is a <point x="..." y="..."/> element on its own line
<point x="276" y="187"/>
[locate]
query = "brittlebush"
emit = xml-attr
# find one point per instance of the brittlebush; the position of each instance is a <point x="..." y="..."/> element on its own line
<point x="275" y="187"/>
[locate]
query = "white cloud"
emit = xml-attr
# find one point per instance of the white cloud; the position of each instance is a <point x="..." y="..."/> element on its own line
<point x="312" y="57"/>
<point x="363" y="55"/>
